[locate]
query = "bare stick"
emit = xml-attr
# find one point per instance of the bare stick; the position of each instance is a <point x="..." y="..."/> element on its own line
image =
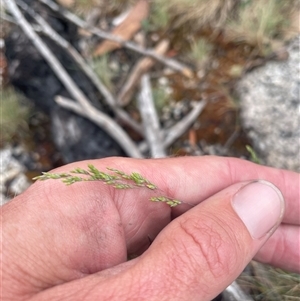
<point x="140" y="68"/>
<point x="175" y="65"/>
<point x="180" y="127"/>
<point x="150" y="119"/>
<point x="47" y="54"/>
<point x="104" y="122"/>
<point x="7" y="18"/>
<point x="68" y="82"/>
<point x="47" y="29"/>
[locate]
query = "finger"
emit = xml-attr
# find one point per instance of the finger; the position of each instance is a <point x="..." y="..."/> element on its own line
<point x="282" y="249"/>
<point x="190" y="179"/>
<point x="196" y="256"/>
<point x="193" y="179"/>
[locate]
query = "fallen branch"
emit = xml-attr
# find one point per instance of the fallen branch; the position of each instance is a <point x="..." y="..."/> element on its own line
<point x="85" y="106"/>
<point x="7" y="18"/>
<point x="104" y="122"/>
<point x="173" y="64"/>
<point x="47" y="54"/>
<point x="141" y="67"/>
<point x="53" y="35"/>
<point x="180" y="127"/>
<point x="150" y="119"/>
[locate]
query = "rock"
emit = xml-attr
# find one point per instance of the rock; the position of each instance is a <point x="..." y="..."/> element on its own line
<point x="270" y="110"/>
<point x="12" y="178"/>
<point x="19" y="184"/>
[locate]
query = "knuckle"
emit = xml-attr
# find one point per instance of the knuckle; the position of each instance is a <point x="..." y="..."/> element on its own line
<point x="212" y="248"/>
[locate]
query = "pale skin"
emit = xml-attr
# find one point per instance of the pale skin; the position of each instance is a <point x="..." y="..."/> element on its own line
<point x="71" y="242"/>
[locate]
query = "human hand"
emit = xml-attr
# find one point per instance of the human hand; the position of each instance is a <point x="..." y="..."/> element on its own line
<point x="71" y="242"/>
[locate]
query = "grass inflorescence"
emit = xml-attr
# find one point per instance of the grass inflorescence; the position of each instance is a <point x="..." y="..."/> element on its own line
<point x="116" y="178"/>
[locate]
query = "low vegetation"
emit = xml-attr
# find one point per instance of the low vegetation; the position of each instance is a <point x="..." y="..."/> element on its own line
<point x="14" y="115"/>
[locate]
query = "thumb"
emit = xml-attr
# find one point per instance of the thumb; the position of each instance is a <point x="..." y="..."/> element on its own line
<point x="201" y="252"/>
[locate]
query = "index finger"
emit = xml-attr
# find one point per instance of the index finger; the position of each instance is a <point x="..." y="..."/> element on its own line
<point x="194" y="179"/>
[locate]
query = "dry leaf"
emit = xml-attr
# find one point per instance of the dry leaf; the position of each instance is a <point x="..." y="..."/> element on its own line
<point x="127" y="28"/>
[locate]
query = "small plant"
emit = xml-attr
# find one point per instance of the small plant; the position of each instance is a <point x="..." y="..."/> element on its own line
<point x="14" y="115"/>
<point x="116" y="178"/>
<point x="159" y="17"/>
<point x="200" y="51"/>
<point x="103" y="70"/>
<point x="161" y="98"/>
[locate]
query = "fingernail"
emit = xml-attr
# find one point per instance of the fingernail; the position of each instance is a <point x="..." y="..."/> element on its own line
<point x="260" y="205"/>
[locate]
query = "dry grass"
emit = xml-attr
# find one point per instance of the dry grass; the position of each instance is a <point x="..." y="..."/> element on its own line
<point x="259" y="21"/>
<point x="111" y="7"/>
<point x="270" y="284"/>
<point x="198" y="13"/>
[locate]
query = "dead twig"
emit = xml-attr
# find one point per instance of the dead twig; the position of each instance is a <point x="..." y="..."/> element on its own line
<point x="173" y="64"/>
<point x="181" y="127"/>
<point x="104" y="122"/>
<point x="7" y="18"/>
<point x="150" y="119"/>
<point x="141" y="67"/>
<point x="46" y="53"/>
<point x="53" y="35"/>
<point x="128" y="146"/>
<point x="171" y="135"/>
